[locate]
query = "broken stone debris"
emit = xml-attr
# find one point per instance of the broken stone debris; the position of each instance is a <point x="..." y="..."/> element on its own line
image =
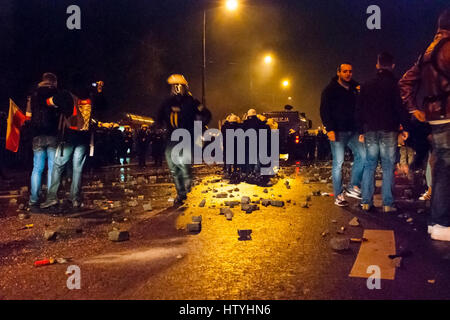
<point x="23" y="216"/>
<point x="277" y="203"/>
<point x="222" y="195"/>
<point x="232" y="203"/>
<point x="339" y="244"/>
<point x="133" y="203"/>
<point x="396" y="262"/>
<point x="354" y="222"/>
<point x="194" y="227"/>
<point x="245" y="235"/>
<point x="118" y="236"/>
<point x="51" y="235"/>
<point x="245" y="200"/>
<point x="147" y="207"/>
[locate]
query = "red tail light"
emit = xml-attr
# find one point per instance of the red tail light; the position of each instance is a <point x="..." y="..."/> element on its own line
<point x="297" y="140"/>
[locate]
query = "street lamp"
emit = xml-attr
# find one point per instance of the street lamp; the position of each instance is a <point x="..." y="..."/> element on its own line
<point x="285" y="83"/>
<point x="268" y="59"/>
<point x="230" y="5"/>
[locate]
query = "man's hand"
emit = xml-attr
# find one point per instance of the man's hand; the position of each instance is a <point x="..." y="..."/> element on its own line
<point x="420" y="115"/>
<point x="361" y="138"/>
<point x="331" y="136"/>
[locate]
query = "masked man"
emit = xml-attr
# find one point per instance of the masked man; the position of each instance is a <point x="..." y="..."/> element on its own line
<point x="179" y="111"/>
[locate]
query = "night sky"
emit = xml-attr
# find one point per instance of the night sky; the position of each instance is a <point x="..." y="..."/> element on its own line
<point x="135" y="45"/>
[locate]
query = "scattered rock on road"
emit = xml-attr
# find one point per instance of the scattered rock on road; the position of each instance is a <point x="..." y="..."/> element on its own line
<point x="354" y="222"/>
<point x="339" y="244"/>
<point x="118" y="236"/>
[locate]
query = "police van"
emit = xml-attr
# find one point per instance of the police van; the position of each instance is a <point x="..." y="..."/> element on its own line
<point x="292" y="126"/>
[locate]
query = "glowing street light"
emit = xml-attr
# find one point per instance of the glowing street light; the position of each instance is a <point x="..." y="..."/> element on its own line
<point x="268" y="59"/>
<point x="232" y="5"/>
<point x="285" y="83"/>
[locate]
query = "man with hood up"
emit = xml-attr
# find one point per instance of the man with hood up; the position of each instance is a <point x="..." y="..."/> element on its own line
<point x="337" y="110"/>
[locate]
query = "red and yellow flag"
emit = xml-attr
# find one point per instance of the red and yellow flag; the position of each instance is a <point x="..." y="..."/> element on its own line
<point x="16" y="118"/>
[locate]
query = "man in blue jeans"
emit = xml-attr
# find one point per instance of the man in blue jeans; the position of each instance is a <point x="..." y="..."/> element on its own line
<point x="74" y="145"/>
<point x="337" y="110"/>
<point x="44" y="130"/>
<point x="432" y="74"/>
<point x="379" y="115"/>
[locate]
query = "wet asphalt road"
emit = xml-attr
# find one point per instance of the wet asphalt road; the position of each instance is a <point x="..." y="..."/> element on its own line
<point x="287" y="257"/>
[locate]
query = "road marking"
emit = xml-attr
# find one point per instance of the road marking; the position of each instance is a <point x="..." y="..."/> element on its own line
<point x="375" y="252"/>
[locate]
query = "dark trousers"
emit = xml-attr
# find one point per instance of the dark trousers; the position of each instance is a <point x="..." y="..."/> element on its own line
<point x="142" y="154"/>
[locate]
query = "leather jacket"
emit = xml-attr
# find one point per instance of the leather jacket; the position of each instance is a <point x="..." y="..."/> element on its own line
<point x="431" y="73"/>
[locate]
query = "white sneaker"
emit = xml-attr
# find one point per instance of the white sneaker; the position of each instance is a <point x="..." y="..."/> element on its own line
<point x="340" y="201"/>
<point x="430" y="228"/>
<point x="354" y="192"/>
<point x="441" y="233"/>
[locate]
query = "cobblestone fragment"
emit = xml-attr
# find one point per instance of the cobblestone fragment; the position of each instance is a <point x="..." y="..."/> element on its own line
<point x="118" y="236"/>
<point x="339" y="244"/>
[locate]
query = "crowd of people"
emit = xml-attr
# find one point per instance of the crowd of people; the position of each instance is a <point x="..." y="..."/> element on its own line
<point x="378" y="120"/>
<point x="248" y="168"/>
<point x="381" y="121"/>
<point x="116" y="147"/>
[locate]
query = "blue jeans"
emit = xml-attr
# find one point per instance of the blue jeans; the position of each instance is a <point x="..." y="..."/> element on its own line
<point x="78" y="155"/>
<point x="440" y="195"/>
<point x="349" y="139"/>
<point x="180" y="169"/>
<point x="379" y="145"/>
<point x="44" y="148"/>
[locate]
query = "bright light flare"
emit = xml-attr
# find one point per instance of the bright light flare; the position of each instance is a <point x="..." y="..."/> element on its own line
<point x="268" y="59"/>
<point x="232" y="5"/>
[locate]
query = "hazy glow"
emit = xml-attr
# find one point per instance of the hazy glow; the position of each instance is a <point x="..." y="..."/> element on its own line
<point x="268" y="59"/>
<point x="285" y="83"/>
<point x="232" y="5"/>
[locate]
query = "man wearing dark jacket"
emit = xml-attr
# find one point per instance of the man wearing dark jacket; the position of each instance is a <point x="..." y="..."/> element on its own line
<point x="337" y="110"/>
<point x="379" y="115"/>
<point x="252" y="163"/>
<point x="76" y="138"/>
<point x="432" y="74"/>
<point x="44" y="131"/>
<point x="180" y="111"/>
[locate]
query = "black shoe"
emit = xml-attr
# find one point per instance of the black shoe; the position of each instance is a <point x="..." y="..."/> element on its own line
<point x="35" y="208"/>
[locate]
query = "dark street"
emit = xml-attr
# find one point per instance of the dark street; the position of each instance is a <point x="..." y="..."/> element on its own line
<point x="288" y="257"/>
